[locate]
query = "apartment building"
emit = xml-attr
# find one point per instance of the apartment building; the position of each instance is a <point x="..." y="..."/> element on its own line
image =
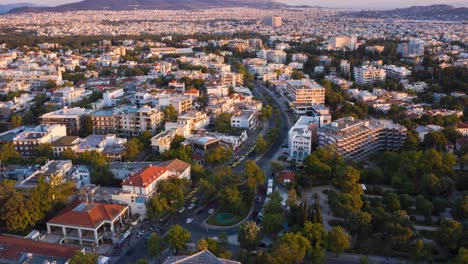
<point x="396" y="73"/>
<point x="357" y="139"/>
<point x="301" y="95"/>
<point x="68" y="95"/>
<point x="112" y="98"/>
<point x="194" y="119"/>
<point x="73" y="118"/>
<point x="36" y="79"/>
<point x="162" y="141"/>
<point x="273" y="21"/>
<point x="245" y="119"/>
<point x="301" y="136"/>
<point x="367" y="75"/>
<point x="342" y="42"/>
<point x="27" y="141"/>
<point x="127" y="121"/>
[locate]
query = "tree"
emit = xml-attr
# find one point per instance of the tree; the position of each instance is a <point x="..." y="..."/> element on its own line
<point x="142" y="261"/>
<point x="424" y="207"/>
<point x="45" y="150"/>
<point x="272" y="223"/>
<point x="84" y="258"/>
<point x="265" y="113"/>
<point x="15" y="121"/>
<point x="297" y="75"/>
<point x="155" y="245"/>
<point x="249" y="235"/>
<point x="318" y="238"/>
<point x="230" y="198"/>
<point x="359" y="222"/>
<point x="290" y="248"/>
<point x="133" y="147"/>
<point x="462" y="257"/>
<point x="88" y="126"/>
<point x="222" y="123"/>
<point x="261" y="145"/>
<point x="460" y="208"/>
<point x="253" y="174"/>
<point x="202" y="245"/>
<point x="8" y="153"/>
<point x="420" y="252"/>
<point x="170" y="113"/>
<point x="391" y="201"/>
<point x="276" y="166"/>
<point x="338" y="240"/>
<point x="177" y="237"/>
<point x="218" y="155"/>
<point x="435" y="140"/>
<point x="448" y="234"/>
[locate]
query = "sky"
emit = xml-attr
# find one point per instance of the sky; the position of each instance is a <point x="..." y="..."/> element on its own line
<point x="355" y="4"/>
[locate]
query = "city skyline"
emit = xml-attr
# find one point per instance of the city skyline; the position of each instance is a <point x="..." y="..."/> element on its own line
<point x="360" y="4"/>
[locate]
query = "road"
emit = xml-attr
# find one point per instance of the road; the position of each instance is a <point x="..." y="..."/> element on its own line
<point x="138" y="248"/>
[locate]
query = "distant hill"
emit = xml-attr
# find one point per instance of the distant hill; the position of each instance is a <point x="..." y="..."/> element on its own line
<point x="117" y="5"/>
<point x="432" y="12"/>
<point x="6" y="8"/>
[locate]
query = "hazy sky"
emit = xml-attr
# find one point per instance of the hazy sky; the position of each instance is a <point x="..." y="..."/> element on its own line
<point x="359" y="4"/>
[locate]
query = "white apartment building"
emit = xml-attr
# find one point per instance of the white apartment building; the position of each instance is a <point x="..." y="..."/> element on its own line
<point x="367" y="75"/>
<point x="37" y="79"/>
<point x="301" y="95"/>
<point x="68" y="95"/>
<point x="300" y="137"/>
<point x="343" y="42"/>
<point x="26" y="142"/>
<point x="246" y="119"/>
<point x="357" y="139"/>
<point x="396" y="73"/>
<point x="113" y="97"/>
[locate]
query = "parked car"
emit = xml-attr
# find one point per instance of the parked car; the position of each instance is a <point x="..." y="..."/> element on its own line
<point x="182" y="209"/>
<point x="189" y="220"/>
<point x="191" y="206"/>
<point x="211" y="211"/>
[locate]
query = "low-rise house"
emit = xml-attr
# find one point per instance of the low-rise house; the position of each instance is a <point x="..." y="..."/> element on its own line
<point x="462" y="128"/>
<point x="63" y="143"/>
<point x="89" y="223"/>
<point x="141" y="186"/>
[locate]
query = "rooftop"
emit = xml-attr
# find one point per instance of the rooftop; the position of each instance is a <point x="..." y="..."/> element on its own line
<point x="87" y="214"/>
<point x="145" y="177"/>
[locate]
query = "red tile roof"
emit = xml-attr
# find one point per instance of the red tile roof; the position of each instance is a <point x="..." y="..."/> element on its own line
<point x="13" y="247"/>
<point x="287" y="175"/>
<point x="87" y="214"/>
<point x="175" y="165"/>
<point x="462" y="125"/>
<point x="145" y="177"/>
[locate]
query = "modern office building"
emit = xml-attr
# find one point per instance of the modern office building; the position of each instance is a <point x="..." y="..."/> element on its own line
<point x="367" y="75"/>
<point x="273" y="21"/>
<point x="357" y="139"/>
<point x="303" y="94"/>
<point x="343" y="42"/>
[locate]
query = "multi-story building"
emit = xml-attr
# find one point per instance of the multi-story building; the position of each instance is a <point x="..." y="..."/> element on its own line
<point x="273" y="21"/>
<point x="245" y="119"/>
<point x="301" y="95"/>
<point x="113" y="97"/>
<point x="26" y="142"/>
<point x="345" y="67"/>
<point x="68" y="95"/>
<point x="141" y="186"/>
<point x="127" y="121"/>
<point x="367" y="75"/>
<point x="341" y="42"/>
<point x="396" y="73"/>
<point x="37" y="79"/>
<point x="357" y="139"/>
<point x="162" y="141"/>
<point x="301" y="135"/>
<point x="194" y="119"/>
<point x="72" y="118"/>
<point x="414" y="48"/>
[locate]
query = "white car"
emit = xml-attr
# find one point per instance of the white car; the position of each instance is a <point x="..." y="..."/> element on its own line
<point x="189" y="220"/>
<point x="191" y="206"/>
<point x="211" y="211"/>
<point x="181" y="209"/>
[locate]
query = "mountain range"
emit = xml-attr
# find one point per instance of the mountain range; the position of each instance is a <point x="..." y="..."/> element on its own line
<point x="118" y="5"/>
<point x="6" y="8"/>
<point x="431" y="12"/>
